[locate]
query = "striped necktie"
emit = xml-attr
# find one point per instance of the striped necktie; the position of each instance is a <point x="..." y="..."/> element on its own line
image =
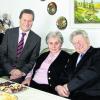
<point x="20" y="45"/>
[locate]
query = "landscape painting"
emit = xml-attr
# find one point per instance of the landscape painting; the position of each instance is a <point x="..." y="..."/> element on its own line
<point x="86" y="11"/>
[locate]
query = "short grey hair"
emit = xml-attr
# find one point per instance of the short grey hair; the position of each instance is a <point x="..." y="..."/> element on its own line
<point x="55" y="34"/>
<point x="78" y="32"/>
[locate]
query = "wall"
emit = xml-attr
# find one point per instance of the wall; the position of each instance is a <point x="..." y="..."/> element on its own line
<point x="44" y="23"/>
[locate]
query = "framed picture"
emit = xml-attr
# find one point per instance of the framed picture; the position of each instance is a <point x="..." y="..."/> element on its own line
<point x="85" y="13"/>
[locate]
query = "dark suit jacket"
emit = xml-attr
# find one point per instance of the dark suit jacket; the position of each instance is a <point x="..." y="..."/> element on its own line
<point x="85" y="78"/>
<point x="2" y="72"/>
<point x="1" y="37"/>
<point x="55" y="68"/>
<point x="29" y="54"/>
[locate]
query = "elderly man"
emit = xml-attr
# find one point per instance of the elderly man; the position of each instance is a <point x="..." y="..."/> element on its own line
<point x="81" y="79"/>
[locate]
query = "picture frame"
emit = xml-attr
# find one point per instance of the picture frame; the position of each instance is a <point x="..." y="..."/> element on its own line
<point x="74" y="15"/>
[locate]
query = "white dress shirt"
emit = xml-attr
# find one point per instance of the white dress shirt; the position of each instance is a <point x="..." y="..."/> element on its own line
<point x="20" y="36"/>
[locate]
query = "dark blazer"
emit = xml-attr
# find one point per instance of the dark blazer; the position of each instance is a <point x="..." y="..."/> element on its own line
<point x="2" y="71"/>
<point x="1" y="37"/>
<point x="85" y="77"/>
<point x="29" y="54"/>
<point x="55" y="68"/>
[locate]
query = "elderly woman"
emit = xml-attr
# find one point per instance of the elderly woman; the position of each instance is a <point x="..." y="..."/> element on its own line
<point x="49" y="65"/>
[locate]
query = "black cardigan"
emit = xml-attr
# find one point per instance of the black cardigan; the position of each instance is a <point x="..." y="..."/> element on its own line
<point x="55" y="69"/>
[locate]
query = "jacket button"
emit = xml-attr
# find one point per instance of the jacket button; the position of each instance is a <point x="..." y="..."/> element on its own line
<point x="48" y="71"/>
<point x="50" y="84"/>
<point x="49" y="78"/>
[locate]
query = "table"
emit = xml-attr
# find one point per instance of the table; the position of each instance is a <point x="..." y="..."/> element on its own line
<point x="35" y="94"/>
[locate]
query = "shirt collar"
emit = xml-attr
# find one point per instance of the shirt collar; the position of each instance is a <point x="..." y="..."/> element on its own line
<point x="84" y="52"/>
<point x="20" y="31"/>
<point x="55" y="54"/>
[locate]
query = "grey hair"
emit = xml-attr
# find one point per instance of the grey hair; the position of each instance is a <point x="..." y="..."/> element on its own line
<point x="78" y="32"/>
<point x="55" y="34"/>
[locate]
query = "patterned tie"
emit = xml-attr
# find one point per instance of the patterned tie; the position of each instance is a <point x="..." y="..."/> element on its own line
<point x="20" y="45"/>
<point x="79" y="58"/>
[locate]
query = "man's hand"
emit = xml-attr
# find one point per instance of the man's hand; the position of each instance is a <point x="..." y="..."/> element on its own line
<point x="15" y="73"/>
<point x="66" y="87"/>
<point x="61" y="90"/>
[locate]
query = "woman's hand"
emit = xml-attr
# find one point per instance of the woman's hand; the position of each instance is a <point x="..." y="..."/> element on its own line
<point x="26" y="81"/>
<point x="61" y="90"/>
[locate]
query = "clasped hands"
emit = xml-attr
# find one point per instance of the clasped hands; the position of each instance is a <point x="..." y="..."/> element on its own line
<point x="62" y="90"/>
<point x="16" y="73"/>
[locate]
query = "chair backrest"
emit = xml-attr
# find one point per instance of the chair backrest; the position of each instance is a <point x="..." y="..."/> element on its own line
<point x="70" y="51"/>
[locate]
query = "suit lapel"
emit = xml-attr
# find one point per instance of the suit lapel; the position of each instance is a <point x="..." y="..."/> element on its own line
<point x="28" y="43"/>
<point x="14" y="37"/>
<point x="84" y="58"/>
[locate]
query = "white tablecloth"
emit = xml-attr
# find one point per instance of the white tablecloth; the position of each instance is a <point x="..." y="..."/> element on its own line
<point x="34" y="94"/>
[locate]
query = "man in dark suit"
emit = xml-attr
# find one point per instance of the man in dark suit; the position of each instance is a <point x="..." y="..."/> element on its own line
<point x="18" y="66"/>
<point x="1" y="31"/>
<point x="2" y="72"/>
<point x="81" y="79"/>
